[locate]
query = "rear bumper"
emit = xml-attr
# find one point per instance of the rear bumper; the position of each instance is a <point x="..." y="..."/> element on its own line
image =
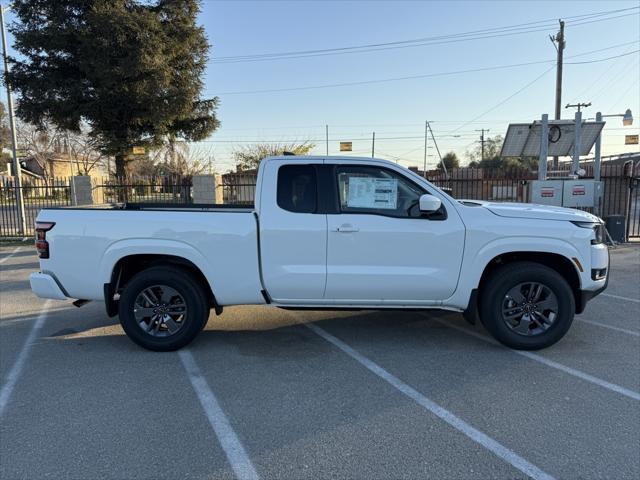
<point x="45" y="286"/>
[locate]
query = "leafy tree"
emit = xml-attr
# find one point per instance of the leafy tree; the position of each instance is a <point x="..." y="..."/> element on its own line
<point x="249" y="157"/>
<point x="450" y="161"/>
<point x="130" y="69"/>
<point x="492" y="158"/>
<point x="492" y="147"/>
<point x="142" y="166"/>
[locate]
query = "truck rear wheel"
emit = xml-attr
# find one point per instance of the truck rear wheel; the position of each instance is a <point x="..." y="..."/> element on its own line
<point x="163" y="308"/>
<point x="527" y="306"/>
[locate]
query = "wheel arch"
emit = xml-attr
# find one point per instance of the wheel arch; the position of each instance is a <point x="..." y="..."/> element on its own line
<point x="122" y="262"/>
<point x="564" y="266"/>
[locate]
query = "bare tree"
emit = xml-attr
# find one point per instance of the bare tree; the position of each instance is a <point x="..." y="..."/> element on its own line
<point x="47" y="145"/>
<point x="182" y="158"/>
<point x="85" y="152"/>
<point x="41" y="144"/>
<point x="248" y="157"/>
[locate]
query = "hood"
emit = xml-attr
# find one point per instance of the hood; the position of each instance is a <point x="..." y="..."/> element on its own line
<point x="533" y="211"/>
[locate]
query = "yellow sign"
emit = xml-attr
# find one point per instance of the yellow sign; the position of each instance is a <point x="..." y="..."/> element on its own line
<point x="346" y="146"/>
<point x="139" y="150"/>
<point x="631" y="139"/>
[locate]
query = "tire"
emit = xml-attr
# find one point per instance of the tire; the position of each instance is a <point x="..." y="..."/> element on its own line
<point x="163" y="308"/>
<point x="516" y="317"/>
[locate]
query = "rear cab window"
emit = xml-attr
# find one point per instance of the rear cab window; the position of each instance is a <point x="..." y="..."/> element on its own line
<point x="297" y="188"/>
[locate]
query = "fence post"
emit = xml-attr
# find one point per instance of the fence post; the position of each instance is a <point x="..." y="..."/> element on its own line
<point x="81" y="192"/>
<point x="219" y="189"/>
<point x="204" y="189"/>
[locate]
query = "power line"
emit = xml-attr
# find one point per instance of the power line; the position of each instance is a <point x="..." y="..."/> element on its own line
<point x="336" y="139"/>
<point x="413" y="77"/>
<point x="493" y="32"/>
<point x="633" y="84"/>
<point x="603" y="59"/>
<point x="605" y="71"/>
<point x="617" y="77"/>
<point x="610" y="47"/>
<point x="505" y="100"/>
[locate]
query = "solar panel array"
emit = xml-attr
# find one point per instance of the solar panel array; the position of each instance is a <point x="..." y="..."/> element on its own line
<point x="523" y="139"/>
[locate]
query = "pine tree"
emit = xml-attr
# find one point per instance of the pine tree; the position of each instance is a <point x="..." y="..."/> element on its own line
<point x="130" y="70"/>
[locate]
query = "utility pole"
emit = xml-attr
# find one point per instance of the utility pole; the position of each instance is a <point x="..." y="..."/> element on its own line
<point x="326" y="133"/>
<point x="426" y="131"/>
<point x="559" y="43"/>
<point x="14" y="140"/>
<point x="444" y="167"/>
<point x="579" y="106"/>
<point x="482" y="141"/>
<point x="373" y="145"/>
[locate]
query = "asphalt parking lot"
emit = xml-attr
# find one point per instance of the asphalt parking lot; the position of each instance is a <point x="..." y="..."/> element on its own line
<point x="354" y="395"/>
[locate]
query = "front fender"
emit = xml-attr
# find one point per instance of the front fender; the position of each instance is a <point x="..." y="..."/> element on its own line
<point x="476" y="261"/>
<point x="521" y="244"/>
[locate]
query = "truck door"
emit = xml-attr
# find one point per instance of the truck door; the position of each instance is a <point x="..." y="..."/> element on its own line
<point x="380" y="249"/>
<point x="293" y="234"/>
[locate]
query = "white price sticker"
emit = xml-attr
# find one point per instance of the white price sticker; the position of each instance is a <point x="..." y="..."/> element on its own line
<point x="367" y="192"/>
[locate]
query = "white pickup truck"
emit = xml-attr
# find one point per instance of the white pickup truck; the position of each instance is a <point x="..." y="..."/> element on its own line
<point x="327" y="233"/>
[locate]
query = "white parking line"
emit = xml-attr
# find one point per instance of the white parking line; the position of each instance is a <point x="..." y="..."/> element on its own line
<point x="635" y="300"/>
<point x="610" y="327"/>
<point x="456" y="422"/>
<point x="14" y="373"/>
<point x="4" y="259"/>
<point x="550" y="363"/>
<point x="233" y="449"/>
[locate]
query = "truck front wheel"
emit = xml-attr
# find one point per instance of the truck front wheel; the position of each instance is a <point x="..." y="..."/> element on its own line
<point x="527" y="306"/>
<point x="163" y="308"/>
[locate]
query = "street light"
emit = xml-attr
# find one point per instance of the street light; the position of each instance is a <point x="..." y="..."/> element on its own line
<point x="627" y="117"/>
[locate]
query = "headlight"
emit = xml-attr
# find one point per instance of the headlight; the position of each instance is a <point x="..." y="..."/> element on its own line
<point x="598" y="231"/>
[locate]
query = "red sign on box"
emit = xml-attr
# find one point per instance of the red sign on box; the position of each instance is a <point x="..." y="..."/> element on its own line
<point x="547" y="192"/>
<point x="578" y="190"/>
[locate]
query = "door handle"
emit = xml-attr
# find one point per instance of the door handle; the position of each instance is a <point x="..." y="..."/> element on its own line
<point x="346" y="228"/>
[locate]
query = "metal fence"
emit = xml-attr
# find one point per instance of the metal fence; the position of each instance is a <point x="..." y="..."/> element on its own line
<point x="621" y="192"/>
<point x="633" y="215"/>
<point x="37" y="194"/>
<point x="510" y="185"/>
<point x="238" y="188"/>
<point x="156" y="189"/>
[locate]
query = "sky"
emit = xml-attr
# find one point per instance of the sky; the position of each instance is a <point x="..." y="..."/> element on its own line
<point x="456" y="105"/>
<point x="400" y="108"/>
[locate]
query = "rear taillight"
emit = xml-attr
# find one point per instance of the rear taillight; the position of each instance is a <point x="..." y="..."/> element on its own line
<point x="42" y="246"/>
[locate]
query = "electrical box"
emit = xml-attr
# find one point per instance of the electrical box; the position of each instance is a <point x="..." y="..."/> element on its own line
<point x="581" y="193"/>
<point x="547" y="192"/>
<point x="566" y="193"/>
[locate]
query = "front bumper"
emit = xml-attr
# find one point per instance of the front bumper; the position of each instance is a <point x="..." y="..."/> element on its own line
<point x="586" y="295"/>
<point x="45" y="286"/>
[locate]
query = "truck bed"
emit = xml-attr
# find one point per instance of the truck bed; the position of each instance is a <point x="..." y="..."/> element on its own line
<point x="86" y="243"/>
